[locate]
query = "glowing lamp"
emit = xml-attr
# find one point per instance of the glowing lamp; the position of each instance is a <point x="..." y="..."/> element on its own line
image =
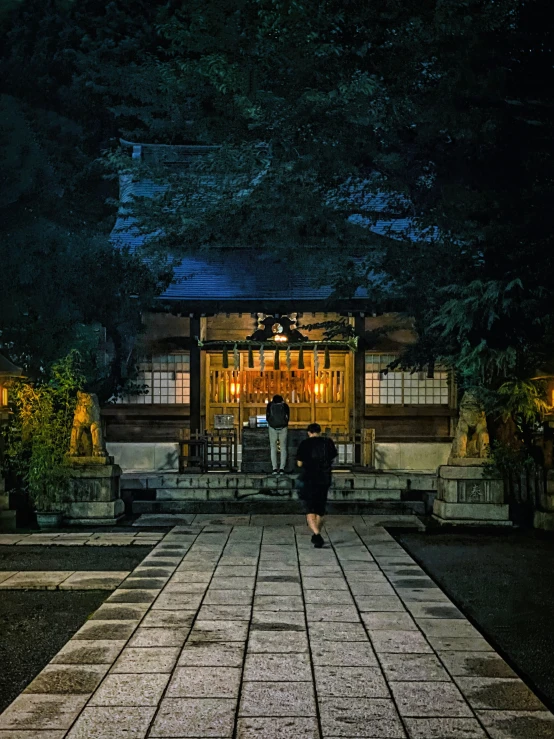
<point x="280" y="337"/>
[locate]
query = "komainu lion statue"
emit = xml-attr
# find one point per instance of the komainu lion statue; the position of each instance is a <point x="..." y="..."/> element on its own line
<point x="87" y="423"/>
<point x="472" y="437"/>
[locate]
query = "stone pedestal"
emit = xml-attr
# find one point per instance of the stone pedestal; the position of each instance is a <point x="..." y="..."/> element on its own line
<point x="544" y="518"/>
<point x="466" y="495"/>
<point x="7" y="517"/>
<point x="94" y="497"/>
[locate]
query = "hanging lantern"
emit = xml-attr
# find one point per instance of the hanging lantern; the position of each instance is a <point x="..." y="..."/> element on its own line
<point x="236" y="358"/>
<point x="276" y="364"/>
<point x="288" y="359"/>
<point x="262" y="358"/>
<point x="250" y="358"/>
<point x="327" y="360"/>
<point x="316" y="360"/>
<point x="301" y="358"/>
<point x="225" y="357"/>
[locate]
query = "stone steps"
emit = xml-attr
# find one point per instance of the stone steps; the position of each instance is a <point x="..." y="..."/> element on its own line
<point x="232" y="492"/>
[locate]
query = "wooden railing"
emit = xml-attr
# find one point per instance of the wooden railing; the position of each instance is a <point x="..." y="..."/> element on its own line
<point x="355" y="450"/>
<point x="210" y="450"/>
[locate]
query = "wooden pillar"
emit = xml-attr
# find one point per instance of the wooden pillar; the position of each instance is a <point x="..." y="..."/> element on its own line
<point x="195" y="375"/>
<point x="359" y="375"/>
<point x="359" y="385"/>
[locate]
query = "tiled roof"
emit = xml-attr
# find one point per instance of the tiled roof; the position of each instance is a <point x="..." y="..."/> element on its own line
<point x="252" y="274"/>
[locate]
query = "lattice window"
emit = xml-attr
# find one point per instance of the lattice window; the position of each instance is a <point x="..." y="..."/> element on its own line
<point x="163" y="380"/>
<point x="402" y="388"/>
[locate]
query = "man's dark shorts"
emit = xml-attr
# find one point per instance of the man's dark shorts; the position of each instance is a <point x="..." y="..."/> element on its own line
<point x="313" y="497"/>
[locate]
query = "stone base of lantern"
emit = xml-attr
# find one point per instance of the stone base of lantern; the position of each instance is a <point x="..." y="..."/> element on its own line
<point x="544" y="518"/>
<point x="94" y="498"/>
<point x="7" y="517"/>
<point x="466" y="495"/>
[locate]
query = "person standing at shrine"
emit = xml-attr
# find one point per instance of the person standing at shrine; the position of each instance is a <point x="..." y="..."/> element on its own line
<point x="315" y="457"/>
<point x="277" y="415"/>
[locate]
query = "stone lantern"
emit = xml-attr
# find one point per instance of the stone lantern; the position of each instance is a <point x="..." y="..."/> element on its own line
<point x="8" y="371"/>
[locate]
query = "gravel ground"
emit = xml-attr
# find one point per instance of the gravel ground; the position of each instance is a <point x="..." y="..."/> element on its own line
<point x="34" y="626"/>
<point x="71" y="558"/>
<point x="504" y="583"/>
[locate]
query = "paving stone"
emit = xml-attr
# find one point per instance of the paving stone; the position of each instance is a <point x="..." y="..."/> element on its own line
<point x="105" y="630"/>
<point x="6" y="574"/>
<point x="422" y="594"/>
<point x="499" y="694"/>
<point x="518" y="724"/>
<point x="224" y="613"/>
<point x="278" y="588"/>
<point x="459" y="644"/>
<point x="218" y="631"/>
<point x="212" y="655"/>
<point x="228" y="597"/>
<point x="328" y="597"/>
<point x="317" y="573"/>
<point x="277" y="728"/>
<point x="194" y="717"/>
<point x="337" y="632"/>
<point x="186" y="587"/>
<point x="168" y="619"/>
<point x="120" y="612"/>
<point x="177" y="601"/>
<point x="235" y="571"/>
<point x="447" y="627"/>
<point x="331" y="613"/>
<point x="444" y="728"/>
<point x="324" y="583"/>
<point x="31" y="734"/>
<point x="232" y="583"/>
<point x="350" y="682"/>
<point x="422" y="699"/>
<point x="145" y="583"/>
<point x="287" y="667"/>
<point x="148" y="659"/>
<point x="412" y="667"/>
<point x="62" y="679"/>
<point x="130" y="690"/>
<point x="476" y="664"/>
<point x="379" y="603"/>
<point x="93" y="581"/>
<point x="356" y="579"/>
<point x="8" y="539"/>
<point x="277" y="641"/>
<point x="99" y="652"/>
<point x="278" y="621"/>
<point x="133" y="596"/>
<point x="204" y="682"/>
<point x="159" y="637"/>
<point x="389" y="621"/>
<point x="278" y="603"/>
<point x="191" y="576"/>
<point x="360" y="717"/>
<point x="49" y="580"/>
<point x="277" y="699"/>
<point x="409" y="642"/>
<point x="433" y="610"/>
<point x="112" y="723"/>
<point x="153" y="572"/>
<point x="348" y="654"/>
<point x="31" y="712"/>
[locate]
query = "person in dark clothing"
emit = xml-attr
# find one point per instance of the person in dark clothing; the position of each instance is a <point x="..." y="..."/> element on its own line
<point x="315" y="457"/>
<point x="277" y="414"/>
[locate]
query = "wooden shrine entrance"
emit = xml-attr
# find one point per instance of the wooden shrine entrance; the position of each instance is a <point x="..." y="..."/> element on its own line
<point x="324" y="397"/>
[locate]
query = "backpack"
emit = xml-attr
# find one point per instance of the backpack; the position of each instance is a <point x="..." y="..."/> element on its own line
<point x="277" y="416"/>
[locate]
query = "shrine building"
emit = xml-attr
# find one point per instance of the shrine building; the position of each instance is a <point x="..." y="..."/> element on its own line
<point x="238" y="326"/>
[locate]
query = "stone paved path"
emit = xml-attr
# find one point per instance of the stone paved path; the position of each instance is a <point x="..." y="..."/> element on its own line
<point x="249" y="632"/>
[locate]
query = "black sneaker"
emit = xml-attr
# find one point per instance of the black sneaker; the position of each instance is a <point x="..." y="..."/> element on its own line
<point x="318" y="541"/>
<point x="281" y="472"/>
<point x="275" y="472"/>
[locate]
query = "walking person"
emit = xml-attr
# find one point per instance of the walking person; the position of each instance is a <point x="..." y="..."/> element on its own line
<point x="277" y="414"/>
<point x="315" y="458"/>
